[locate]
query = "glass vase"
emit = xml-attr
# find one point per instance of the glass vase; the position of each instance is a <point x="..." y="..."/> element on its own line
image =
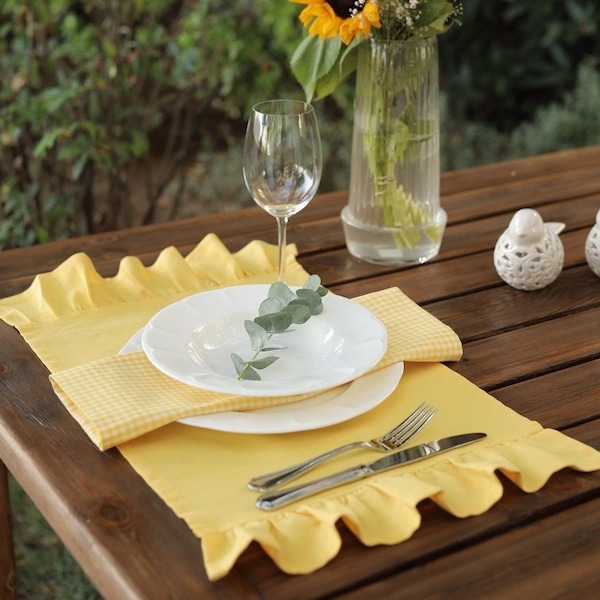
<point x="394" y="216"/>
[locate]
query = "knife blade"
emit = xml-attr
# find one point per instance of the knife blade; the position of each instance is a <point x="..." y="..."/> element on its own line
<point x="277" y="499"/>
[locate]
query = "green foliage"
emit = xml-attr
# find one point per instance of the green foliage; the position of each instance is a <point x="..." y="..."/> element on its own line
<point x="93" y="93"/>
<point x="510" y="57"/>
<point x="572" y="122"/>
<point x="45" y="568"/>
<point x="315" y="61"/>
<point x="281" y="309"/>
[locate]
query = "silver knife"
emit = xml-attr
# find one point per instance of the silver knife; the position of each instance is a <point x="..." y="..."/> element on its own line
<point x="272" y="500"/>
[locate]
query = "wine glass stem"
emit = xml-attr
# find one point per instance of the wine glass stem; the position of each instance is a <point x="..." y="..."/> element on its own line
<point x="281" y="240"/>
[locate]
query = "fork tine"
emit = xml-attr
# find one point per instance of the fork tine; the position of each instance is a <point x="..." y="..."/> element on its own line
<point x="406" y="423"/>
<point x="417" y="423"/>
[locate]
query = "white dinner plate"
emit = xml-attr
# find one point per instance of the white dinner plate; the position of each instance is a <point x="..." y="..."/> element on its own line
<point x="327" y="408"/>
<point x="192" y="341"/>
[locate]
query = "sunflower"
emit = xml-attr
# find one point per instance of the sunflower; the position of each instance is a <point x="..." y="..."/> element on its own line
<point x="346" y="18"/>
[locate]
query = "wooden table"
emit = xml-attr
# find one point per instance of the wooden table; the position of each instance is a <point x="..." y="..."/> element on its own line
<point x="538" y="352"/>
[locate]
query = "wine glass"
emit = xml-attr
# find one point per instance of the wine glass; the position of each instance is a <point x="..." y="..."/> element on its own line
<point x="282" y="161"/>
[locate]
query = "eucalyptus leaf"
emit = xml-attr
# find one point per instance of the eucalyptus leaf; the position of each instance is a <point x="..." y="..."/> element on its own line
<point x="313" y="299"/>
<point x="300" y="312"/>
<point x="249" y="373"/>
<point x="270" y="306"/>
<point x="238" y="362"/>
<point x="243" y="368"/>
<point x="274" y="323"/>
<point x="280" y="291"/>
<point x="312" y="283"/>
<point x="263" y="363"/>
<point x="317" y="310"/>
<point x="258" y="334"/>
<point x="301" y="302"/>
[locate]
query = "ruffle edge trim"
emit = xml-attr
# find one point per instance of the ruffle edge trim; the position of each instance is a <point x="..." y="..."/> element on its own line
<point x="464" y="485"/>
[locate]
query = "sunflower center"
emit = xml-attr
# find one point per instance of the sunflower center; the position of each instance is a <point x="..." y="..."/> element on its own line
<point x="347" y="8"/>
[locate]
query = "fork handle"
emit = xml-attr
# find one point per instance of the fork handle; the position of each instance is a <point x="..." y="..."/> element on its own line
<point x="279" y="498"/>
<point x="268" y="481"/>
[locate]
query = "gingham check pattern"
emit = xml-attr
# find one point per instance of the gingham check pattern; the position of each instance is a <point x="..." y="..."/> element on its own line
<point x="122" y="397"/>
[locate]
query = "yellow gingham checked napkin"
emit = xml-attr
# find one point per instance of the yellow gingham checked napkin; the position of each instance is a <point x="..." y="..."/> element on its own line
<point x="122" y="397"/>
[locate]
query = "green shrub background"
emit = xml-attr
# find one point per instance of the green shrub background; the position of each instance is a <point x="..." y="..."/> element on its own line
<point x="124" y="113"/>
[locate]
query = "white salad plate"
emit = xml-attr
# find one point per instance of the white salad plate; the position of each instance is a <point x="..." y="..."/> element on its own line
<point x="322" y="410"/>
<point x="192" y="341"/>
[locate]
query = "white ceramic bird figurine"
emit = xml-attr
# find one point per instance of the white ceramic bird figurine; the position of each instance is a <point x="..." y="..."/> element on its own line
<point x="529" y="254"/>
<point x="592" y="247"/>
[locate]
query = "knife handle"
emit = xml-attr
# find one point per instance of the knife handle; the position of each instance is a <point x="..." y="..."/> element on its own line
<point x="273" y="500"/>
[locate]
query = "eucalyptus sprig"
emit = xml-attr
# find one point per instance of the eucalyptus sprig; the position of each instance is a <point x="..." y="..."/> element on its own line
<point x="276" y="314"/>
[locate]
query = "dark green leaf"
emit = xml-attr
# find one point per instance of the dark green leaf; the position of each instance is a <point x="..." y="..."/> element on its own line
<point x="47" y="141"/>
<point x="139" y="143"/>
<point x="344" y="66"/>
<point x="79" y="166"/>
<point x="54" y="98"/>
<point x="312" y="59"/>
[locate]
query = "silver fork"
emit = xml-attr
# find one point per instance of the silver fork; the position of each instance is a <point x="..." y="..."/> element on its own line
<point x="392" y="440"/>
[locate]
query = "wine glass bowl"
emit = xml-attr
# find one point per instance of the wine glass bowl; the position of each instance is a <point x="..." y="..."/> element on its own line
<point x="282" y="161"/>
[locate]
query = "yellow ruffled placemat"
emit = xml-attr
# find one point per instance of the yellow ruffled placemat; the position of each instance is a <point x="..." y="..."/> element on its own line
<point x="73" y="316"/>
